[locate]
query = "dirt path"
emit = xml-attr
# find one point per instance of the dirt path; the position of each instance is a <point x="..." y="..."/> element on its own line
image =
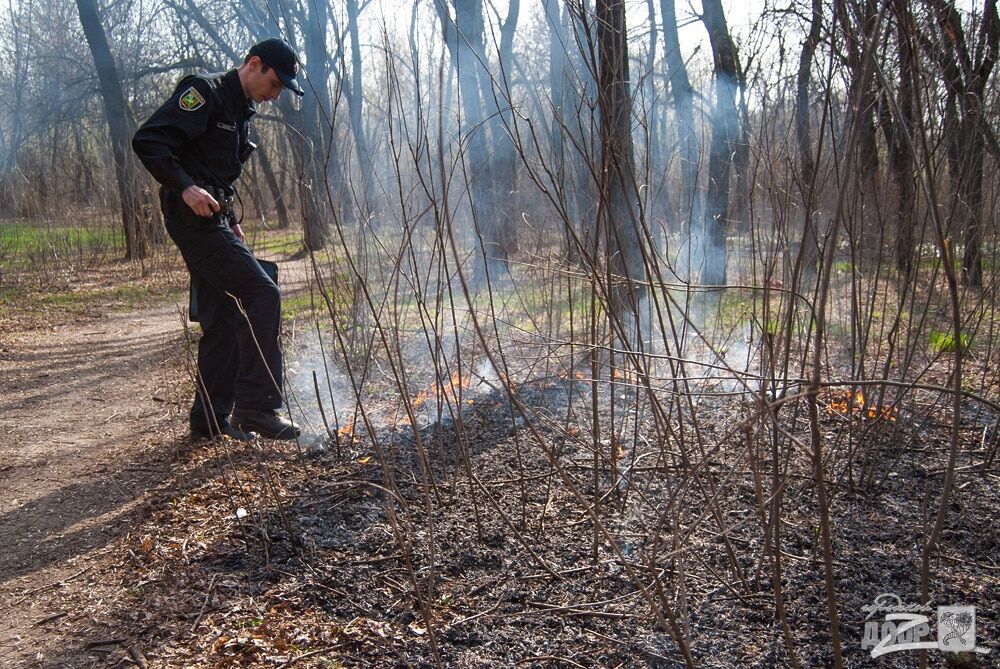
<point x="92" y="415"/>
<point x="85" y="436"/>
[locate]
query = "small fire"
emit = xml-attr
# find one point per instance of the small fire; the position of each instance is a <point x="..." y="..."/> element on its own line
<point x="853" y="403"/>
<point x="347" y="430"/>
<point x="449" y="390"/>
<point x="619" y="451"/>
<point x="626" y="375"/>
<point x="419" y="400"/>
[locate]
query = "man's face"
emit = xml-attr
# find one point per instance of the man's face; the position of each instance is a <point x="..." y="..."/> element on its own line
<point x="263" y="86"/>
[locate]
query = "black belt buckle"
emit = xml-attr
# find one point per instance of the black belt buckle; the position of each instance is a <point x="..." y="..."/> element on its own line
<point x="226" y="213"/>
<point x="226" y="207"/>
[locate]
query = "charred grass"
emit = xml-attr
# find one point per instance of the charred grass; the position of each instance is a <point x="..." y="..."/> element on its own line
<point x="276" y="555"/>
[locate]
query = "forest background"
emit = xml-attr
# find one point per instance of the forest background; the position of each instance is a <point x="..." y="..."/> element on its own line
<point x="687" y="311"/>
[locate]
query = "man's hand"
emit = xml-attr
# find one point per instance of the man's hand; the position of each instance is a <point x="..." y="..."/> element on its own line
<point x="200" y="201"/>
<point x="238" y="231"/>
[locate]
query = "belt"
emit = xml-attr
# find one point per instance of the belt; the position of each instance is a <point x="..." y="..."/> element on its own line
<point x="226" y="201"/>
<point x="227" y="211"/>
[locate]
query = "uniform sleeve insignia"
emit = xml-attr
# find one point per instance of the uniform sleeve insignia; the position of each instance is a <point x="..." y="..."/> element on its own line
<point x="191" y="99"/>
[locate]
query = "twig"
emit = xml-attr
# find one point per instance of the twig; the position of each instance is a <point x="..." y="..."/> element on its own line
<point x="464" y="621"/>
<point x="632" y="647"/>
<point x="549" y="658"/>
<point x="55" y="616"/>
<point x="204" y="604"/>
<point x="136" y="656"/>
<point x="51" y="585"/>
<point x="90" y="645"/>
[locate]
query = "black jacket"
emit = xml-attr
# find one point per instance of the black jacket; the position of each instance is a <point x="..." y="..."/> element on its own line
<point x="200" y="135"/>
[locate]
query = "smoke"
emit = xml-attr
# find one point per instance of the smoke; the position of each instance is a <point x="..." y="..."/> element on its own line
<point x="437" y="161"/>
<point x="319" y="393"/>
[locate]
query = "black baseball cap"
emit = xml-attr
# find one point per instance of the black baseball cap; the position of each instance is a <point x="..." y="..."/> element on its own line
<point x="279" y="55"/>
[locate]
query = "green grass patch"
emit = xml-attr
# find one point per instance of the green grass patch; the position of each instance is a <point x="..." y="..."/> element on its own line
<point x="289" y="243"/>
<point x="20" y="243"/>
<point x="302" y="305"/>
<point x="309" y="305"/>
<point x="121" y="296"/>
<point x="735" y="307"/>
<point x="942" y="342"/>
<point x="934" y="263"/>
<point x="25" y="307"/>
<point x="277" y="242"/>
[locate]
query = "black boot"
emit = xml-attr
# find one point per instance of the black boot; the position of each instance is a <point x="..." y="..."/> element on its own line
<point x="226" y="429"/>
<point x="266" y="422"/>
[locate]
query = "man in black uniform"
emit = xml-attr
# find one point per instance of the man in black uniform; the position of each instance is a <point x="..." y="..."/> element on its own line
<point x="195" y="145"/>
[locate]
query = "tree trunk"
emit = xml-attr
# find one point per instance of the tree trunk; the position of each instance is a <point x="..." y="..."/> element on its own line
<point x="900" y="157"/>
<point x="323" y="172"/>
<point x="355" y="101"/>
<point x="722" y="149"/>
<point x="464" y="39"/>
<point x="121" y="127"/>
<point x="568" y="123"/>
<point x="276" y="192"/>
<point x="619" y="194"/>
<point x="809" y="250"/>
<point x="558" y="72"/>
<point x="966" y="74"/>
<point x="683" y="97"/>
<point x="862" y="227"/>
<point x="317" y="158"/>
<point x="854" y="38"/>
<point x="654" y="141"/>
<point x="501" y="121"/>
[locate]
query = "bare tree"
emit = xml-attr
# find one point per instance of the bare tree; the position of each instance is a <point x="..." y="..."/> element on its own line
<point x="724" y="133"/>
<point x="809" y="250"/>
<point x="966" y="73"/>
<point x="900" y="154"/>
<point x="857" y="20"/>
<point x="15" y="62"/>
<point x="490" y="170"/>
<point x="619" y="197"/>
<point x="355" y="101"/>
<point x="121" y="127"/>
<point x="568" y="83"/>
<point x="506" y="159"/>
<point x="318" y="159"/>
<point x="682" y="94"/>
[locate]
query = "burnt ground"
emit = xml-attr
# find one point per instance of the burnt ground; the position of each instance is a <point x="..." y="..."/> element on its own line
<point x="124" y="546"/>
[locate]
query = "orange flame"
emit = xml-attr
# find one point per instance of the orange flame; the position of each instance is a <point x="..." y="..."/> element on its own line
<point x="347" y="430"/>
<point x="854" y="404"/>
<point x="420" y="399"/>
<point x="449" y="390"/>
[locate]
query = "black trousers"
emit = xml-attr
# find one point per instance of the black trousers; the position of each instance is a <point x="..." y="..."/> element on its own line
<point x="239" y="355"/>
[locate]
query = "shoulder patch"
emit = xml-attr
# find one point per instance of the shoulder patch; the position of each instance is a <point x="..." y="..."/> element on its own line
<point x="191" y="99"/>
